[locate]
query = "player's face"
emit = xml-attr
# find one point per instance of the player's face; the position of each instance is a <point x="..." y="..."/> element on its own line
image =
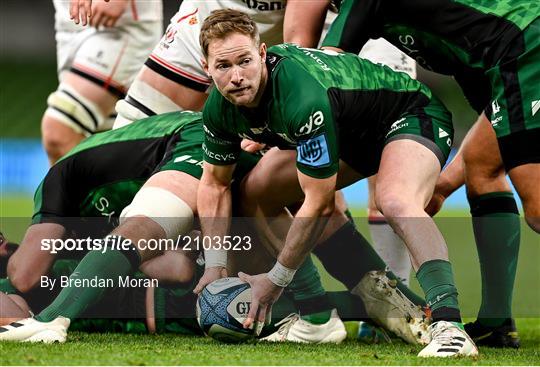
<point x="237" y="68"/>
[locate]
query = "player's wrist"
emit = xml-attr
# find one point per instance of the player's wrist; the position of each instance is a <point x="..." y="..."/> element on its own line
<point x="281" y="275"/>
<point x="215" y="258"/>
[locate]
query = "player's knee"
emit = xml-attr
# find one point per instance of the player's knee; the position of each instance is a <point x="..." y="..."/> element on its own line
<point x="142" y="101"/>
<point x="532" y="214"/>
<point x="21" y="278"/>
<point x="67" y="106"/>
<point x="57" y="138"/>
<point x="393" y="205"/>
<point x="163" y="207"/>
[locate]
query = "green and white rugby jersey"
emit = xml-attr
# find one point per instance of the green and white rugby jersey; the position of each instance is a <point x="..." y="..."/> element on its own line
<point x="327" y="106"/>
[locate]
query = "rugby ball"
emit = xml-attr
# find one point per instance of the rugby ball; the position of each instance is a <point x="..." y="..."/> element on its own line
<point x="222" y="307"/>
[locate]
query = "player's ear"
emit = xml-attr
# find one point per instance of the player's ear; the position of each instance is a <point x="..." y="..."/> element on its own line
<point x="205" y="67"/>
<point x="262" y="51"/>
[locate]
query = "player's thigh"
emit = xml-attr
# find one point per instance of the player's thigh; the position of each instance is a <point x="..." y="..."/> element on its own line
<point x="408" y="172"/>
<point x="484" y="169"/>
<point x="181" y="184"/>
<point x="187" y="98"/>
<point x="273" y="182"/>
<point x="175" y="65"/>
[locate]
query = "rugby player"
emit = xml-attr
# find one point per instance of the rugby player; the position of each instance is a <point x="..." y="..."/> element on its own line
<point x="311" y="101"/>
<point x="492" y="50"/>
<point x="96" y="65"/>
<point x="173" y="78"/>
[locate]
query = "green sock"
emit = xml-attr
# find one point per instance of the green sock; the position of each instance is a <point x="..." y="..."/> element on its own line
<point x="309" y="295"/>
<point x="497" y="233"/>
<point x="437" y="281"/>
<point x="99" y="267"/>
<point x="349" y="307"/>
<point x="348" y="256"/>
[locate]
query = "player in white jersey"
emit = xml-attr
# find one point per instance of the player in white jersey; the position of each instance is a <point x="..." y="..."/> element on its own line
<point x="96" y="65"/>
<point x="173" y="77"/>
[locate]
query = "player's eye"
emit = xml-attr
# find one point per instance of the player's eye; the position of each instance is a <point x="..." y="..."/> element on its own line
<point x="245" y="61"/>
<point x="222" y="66"/>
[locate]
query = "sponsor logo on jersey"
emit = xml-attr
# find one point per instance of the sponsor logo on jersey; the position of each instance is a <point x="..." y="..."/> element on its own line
<point x="264" y="5"/>
<point x="188" y="159"/>
<point x="219" y="157"/>
<point x="535" y="106"/>
<point x="208" y="132"/>
<point x="442" y="133"/>
<point x="315" y="121"/>
<point x="309" y="52"/>
<point x="313" y="152"/>
<point x="399" y="124"/>
<point x="495" y="109"/>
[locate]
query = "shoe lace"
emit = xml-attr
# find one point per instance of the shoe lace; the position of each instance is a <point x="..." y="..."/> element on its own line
<point x="441" y="334"/>
<point x="286" y="324"/>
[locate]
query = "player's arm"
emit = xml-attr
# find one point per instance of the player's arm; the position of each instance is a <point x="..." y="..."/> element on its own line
<point x="214" y="206"/>
<point x="214" y="202"/>
<point x="310" y="219"/>
<point x="309" y="121"/>
<point x="304" y="21"/>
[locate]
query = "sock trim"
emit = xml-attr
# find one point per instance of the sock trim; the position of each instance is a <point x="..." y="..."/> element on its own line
<point x="496" y="202"/>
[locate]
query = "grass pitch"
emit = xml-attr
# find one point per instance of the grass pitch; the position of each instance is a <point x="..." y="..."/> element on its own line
<point x="170" y="349"/>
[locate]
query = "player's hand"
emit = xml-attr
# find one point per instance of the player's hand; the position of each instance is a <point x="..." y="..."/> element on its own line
<point x="210" y="274"/>
<point x="251" y="146"/>
<point x="80" y="11"/>
<point x="106" y="13"/>
<point x="263" y="295"/>
<point x="435" y="204"/>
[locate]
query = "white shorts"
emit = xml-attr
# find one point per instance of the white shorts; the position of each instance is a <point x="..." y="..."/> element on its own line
<point x="111" y="56"/>
<point x="178" y="55"/>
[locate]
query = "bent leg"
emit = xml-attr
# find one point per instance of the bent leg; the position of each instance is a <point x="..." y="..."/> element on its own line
<point x="30" y="261"/>
<point x="407" y="175"/>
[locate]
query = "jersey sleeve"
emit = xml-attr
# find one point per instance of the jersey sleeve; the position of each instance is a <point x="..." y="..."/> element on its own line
<point x="310" y="122"/>
<point x="220" y="147"/>
<point x="355" y="24"/>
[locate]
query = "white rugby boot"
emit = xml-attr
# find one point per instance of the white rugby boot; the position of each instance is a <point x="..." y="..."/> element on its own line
<point x="32" y="330"/>
<point x="294" y="329"/>
<point x="391" y="309"/>
<point x="448" y="340"/>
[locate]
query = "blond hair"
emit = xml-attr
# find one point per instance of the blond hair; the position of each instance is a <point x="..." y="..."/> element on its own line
<point x="221" y="23"/>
